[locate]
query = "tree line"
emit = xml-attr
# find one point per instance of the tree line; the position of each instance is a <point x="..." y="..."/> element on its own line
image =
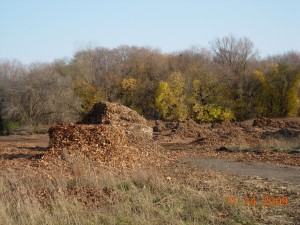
<point x="227" y="81"/>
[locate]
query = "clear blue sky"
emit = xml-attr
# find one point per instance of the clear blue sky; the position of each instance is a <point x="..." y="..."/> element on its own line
<point x="43" y="30"/>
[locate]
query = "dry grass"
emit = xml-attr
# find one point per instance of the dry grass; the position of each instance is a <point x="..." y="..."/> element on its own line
<point x="95" y="196"/>
<point x="280" y="144"/>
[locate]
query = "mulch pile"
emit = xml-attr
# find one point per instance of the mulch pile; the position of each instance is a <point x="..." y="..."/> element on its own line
<point x="208" y="135"/>
<point x="227" y="132"/>
<point x="276" y="123"/>
<point x="240" y="141"/>
<point x="111" y="134"/>
<point x="188" y="129"/>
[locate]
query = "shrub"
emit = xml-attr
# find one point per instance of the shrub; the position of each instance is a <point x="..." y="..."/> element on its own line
<point x="211" y="113"/>
<point x="10" y="126"/>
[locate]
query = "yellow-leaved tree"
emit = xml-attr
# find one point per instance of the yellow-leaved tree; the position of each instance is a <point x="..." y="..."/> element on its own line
<point x="276" y="92"/>
<point x="87" y="93"/>
<point x="204" y="109"/>
<point x="170" y="98"/>
<point x="163" y="100"/>
<point x="293" y="98"/>
<point x="129" y="92"/>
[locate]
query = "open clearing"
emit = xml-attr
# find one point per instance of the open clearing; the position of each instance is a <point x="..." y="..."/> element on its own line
<point x="22" y="148"/>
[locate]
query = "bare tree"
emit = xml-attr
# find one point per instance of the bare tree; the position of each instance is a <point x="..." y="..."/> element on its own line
<point x="40" y="97"/>
<point x="236" y="55"/>
<point x="291" y="58"/>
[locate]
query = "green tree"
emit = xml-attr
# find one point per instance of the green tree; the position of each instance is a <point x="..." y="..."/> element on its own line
<point x="258" y="93"/>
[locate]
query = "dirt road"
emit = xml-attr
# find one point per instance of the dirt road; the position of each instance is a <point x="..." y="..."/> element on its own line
<point x="36" y="139"/>
<point x="286" y="173"/>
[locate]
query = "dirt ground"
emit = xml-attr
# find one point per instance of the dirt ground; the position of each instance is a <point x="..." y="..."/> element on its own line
<point x="286" y="173"/>
<point x="24" y="150"/>
<point x="36" y="140"/>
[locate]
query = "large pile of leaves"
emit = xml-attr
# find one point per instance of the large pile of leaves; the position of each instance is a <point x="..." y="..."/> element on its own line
<point x="111" y="134"/>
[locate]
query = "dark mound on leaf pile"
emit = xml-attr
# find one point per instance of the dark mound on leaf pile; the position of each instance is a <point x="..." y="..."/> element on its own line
<point x="111" y="134"/>
<point x="112" y="113"/>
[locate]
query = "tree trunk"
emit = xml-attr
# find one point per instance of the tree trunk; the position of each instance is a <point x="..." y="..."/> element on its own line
<point x="1" y="124"/>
